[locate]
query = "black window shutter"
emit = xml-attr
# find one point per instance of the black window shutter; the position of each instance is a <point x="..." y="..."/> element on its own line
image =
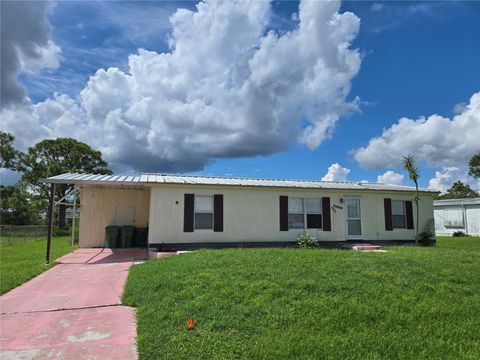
<point x="409" y="213"/>
<point x="188" y="212"/>
<point x="218" y="213"/>
<point x="283" y="213"/>
<point x="327" y="220"/>
<point x="387" y="206"/>
<point x="314" y="221"/>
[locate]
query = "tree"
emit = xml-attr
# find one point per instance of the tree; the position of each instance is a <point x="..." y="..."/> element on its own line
<point x="474" y="166"/>
<point x="459" y="190"/>
<point x="9" y="156"/>
<point x="17" y="206"/>
<point x="58" y="156"/>
<point x="409" y="164"/>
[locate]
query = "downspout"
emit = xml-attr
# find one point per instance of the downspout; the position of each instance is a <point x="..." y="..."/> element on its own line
<point x="74" y="216"/>
<point x="50" y="222"/>
<point x="148" y="223"/>
<point x="464" y="212"/>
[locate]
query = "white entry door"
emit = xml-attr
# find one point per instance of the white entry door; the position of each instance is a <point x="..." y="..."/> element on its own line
<point x="353" y="218"/>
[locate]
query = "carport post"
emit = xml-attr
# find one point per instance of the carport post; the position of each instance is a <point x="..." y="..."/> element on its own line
<point x="74" y="215"/>
<point x="50" y="222"/>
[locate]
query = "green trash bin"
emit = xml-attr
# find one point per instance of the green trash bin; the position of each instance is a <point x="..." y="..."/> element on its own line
<point x="112" y="235"/>
<point x="141" y="237"/>
<point x="128" y="233"/>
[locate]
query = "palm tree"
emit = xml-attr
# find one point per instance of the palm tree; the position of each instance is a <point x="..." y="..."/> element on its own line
<point x="409" y="164"/>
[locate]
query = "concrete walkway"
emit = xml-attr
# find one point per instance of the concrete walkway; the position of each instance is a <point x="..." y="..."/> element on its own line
<point x="72" y="311"/>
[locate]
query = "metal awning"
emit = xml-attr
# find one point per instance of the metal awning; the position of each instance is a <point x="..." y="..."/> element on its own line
<point x="152" y="179"/>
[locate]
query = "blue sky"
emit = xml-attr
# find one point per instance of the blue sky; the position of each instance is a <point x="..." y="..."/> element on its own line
<point x="416" y="62"/>
<point x="417" y="59"/>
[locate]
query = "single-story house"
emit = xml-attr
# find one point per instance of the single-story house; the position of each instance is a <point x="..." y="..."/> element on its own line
<point x="185" y="211"/>
<point x="455" y="215"/>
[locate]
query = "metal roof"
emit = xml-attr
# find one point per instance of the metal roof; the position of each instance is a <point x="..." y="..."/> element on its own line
<point x="151" y="179"/>
<point x="457" y="202"/>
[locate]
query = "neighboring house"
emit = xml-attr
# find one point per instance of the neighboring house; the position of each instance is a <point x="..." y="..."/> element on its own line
<point x="455" y="215"/>
<point x="69" y="215"/>
<point x="185" y="211"/>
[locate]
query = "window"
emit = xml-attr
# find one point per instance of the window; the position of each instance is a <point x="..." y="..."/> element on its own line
<point x="203" y="209"/>
<point x="296" y="217"/>
<point x="301" y="211"/>
<point x="453" y="218"/>
<point x="398" y="214"/>
<point x="314" y="213"/>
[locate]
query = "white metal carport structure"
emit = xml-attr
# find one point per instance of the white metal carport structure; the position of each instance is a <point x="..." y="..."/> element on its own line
<point x="77" y="180"/>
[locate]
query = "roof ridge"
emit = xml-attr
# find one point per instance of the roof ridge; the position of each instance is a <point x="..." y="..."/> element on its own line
<point x="258" y="178"/>
<point x="460" y="199"/>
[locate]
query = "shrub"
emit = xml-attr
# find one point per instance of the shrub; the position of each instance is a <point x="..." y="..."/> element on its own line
<point x="306" y="241"/>
<point x="459" y="234"/>
<point x="426" y="239"/>
<point x="427" y="236"/>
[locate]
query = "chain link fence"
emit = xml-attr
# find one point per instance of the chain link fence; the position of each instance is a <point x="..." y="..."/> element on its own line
<point x="10" y="234"/>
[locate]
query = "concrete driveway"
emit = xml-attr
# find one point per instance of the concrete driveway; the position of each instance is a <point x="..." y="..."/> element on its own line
<point x="72" y="311"/>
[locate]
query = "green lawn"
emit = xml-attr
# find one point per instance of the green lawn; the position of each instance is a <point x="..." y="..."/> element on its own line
<point x="407" y="303"/>
<point x="21" y="260"/>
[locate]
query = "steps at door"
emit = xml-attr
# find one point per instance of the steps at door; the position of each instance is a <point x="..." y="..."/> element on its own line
<point x="362" y="247"/>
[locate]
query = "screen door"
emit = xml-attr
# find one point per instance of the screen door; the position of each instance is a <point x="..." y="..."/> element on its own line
<point x="353" y="217"/>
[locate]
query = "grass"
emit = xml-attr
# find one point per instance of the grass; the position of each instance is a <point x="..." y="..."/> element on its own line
<point x="21" y="260"/>
<point x="407" y="303"/>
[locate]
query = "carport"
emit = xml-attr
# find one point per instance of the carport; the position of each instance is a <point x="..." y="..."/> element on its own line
<point x="104" y="200"/>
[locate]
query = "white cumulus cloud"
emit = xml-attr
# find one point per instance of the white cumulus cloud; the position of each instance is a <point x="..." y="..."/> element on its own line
<point x="26" y="45"/>
<point x="60" y="116"/>
<point x="336" y="173"/>
<point x="436" y="140"/>
<point x="444" y="179"/>
<point x="390" y="177"/>
<point x="48" y="57"/>
<point x="228" y="87"/>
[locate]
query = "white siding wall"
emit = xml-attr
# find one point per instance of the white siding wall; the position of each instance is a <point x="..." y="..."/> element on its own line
<point x="97" y="210"/>
<point x="473" y="219"/>
<point x="252" y="214"/>
<point x="452" y="218"/>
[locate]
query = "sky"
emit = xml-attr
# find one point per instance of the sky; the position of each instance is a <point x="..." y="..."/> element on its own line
<point x="335" y="91"/>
